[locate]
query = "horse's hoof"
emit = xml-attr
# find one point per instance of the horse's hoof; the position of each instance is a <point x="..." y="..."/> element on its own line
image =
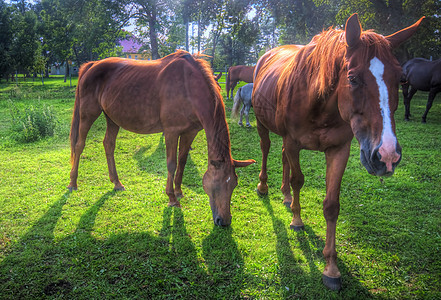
<point x="72" y="188"/>
<point x="249" y="125"/>
<point x="179" y="195"/>
<point x="287" y="200"/>
<point x="423" y="121"/>
<point x="240" y="124"/>
<point x="119" y="188"/>
<point x="406" y="119"/>
<point x="297" y="227"/>
<point x="331" y="282"/>
<point x="262" y="190"/>
<point x="174" y="204"/>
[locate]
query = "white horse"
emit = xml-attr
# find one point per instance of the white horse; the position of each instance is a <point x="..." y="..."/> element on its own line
<point x="243" y="95"/>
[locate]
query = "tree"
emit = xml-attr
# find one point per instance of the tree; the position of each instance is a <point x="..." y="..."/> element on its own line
<point x="5" y="39"/>
<point x="147" y="16"/>
<point x="25" y="40"/>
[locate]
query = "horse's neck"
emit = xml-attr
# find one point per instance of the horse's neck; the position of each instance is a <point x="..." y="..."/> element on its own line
<point x="218" y="140"/>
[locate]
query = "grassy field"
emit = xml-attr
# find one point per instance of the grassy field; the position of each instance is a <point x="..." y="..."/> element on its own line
<point x="98" y="244"/>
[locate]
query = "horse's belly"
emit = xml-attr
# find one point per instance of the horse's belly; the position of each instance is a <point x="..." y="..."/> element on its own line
<point x="138" y="122"/>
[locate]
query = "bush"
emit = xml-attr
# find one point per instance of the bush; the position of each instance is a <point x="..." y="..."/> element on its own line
<point x="32" y="124"/>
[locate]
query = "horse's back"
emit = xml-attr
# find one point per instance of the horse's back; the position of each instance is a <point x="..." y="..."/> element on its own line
<point x="143" y="96"/>
<point x="422" y="73"/>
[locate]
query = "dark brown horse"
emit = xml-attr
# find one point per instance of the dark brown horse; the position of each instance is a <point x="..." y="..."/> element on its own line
<point x="236" y="74"/>
<point x="424" y="75"/>
<point x="176" y="95"/>
<point x="317" y="97"/>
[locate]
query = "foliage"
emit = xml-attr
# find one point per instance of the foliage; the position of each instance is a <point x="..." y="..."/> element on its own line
<point x="231" y="32"/>
<point x="33" y="123"/>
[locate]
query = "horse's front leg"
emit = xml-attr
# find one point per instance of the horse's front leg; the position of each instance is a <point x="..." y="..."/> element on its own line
<point x="265" y="143"/>
<point x="285" y="188"/>
<point x="171" y="145"/>
<point x="336" y="160"/>
<point x="184" y="147"/>
<point x="109" y="147"/>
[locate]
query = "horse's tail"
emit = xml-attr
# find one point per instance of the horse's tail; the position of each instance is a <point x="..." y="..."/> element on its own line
<point x="227" y="84"/>
<point x="75" y="126"/>
<point x="236" y="104"/>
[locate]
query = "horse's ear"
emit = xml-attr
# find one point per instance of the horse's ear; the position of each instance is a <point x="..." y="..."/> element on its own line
<point x="352" y="31"/>
<point x="243" y="163"/>
<point x="401" y="36"/>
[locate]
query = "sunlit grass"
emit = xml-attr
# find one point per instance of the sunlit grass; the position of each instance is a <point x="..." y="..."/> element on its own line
<point x="96" y="243"/>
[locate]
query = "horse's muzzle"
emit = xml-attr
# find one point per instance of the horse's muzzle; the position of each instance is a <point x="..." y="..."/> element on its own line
<point x="378" y="162"/>
<point x="219" y="221"/>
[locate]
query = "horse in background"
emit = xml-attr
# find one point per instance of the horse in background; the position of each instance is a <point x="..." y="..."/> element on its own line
<point x="424" y="75"/>
<point x="176" y="95"/>
<point x="243" y="95"/>
<point x="236" y="74"/>
<point x="317" y="97"/>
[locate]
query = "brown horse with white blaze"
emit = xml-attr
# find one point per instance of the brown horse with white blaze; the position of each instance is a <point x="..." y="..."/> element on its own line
<point x="176" y="95"/>
<point x="317" y="97"/>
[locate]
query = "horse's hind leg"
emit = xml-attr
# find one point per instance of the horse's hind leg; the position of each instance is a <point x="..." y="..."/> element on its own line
<point x="265" y="143"/>
<point x="85" y="122"/>
<point x="247" y="114"/>
<point x="292" y="153"/>
<point x="408" y="94"/>
<point x="432" y="94"/>
<point x="184" y="147"/>
<point x="233" y="85"/>
<point x="171" y="145"/>
<point x="241" y="115"/>
<point x="109" y="147"/>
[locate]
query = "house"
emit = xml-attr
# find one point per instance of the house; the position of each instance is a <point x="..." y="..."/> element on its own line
<point x="131" y="49"/>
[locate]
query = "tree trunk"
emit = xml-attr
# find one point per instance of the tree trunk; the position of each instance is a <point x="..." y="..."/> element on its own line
<point x="66" y="73"/>
<point x="153" y="34"/>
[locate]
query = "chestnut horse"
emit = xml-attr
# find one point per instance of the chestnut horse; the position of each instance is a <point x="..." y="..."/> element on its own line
<point x="176" y="95"/>
<point x="317" y="97"/>
<point x="424" y="75"/>
<point x="236" y="74"/>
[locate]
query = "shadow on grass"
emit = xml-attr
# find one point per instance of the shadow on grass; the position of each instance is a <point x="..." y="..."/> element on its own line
<point x="128" y="265"/>
<point x="295" y="281"/>
<point x="156" y="164"/>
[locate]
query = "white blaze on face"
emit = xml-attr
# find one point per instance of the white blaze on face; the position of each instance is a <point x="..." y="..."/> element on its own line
<point x="389" y="141"/>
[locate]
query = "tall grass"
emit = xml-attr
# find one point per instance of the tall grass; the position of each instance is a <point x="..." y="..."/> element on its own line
<point x="96" y="243"/>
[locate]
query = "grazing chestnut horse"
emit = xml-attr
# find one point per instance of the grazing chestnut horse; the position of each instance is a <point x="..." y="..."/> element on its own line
<point x="424" y="75"/>
<point x="317" y="97"/>
<point x="236" y="74"/>
<point x="176" y="95"/>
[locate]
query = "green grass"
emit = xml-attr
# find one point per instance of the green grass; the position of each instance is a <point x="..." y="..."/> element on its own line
<point x="96" y="243"/>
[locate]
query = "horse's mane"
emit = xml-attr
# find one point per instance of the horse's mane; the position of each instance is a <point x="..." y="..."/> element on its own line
<point x="324" y="57"/>
<point x="221" y="133"/>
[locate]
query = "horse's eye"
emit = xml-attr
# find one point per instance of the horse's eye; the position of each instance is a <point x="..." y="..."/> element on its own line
<point x="353" y="80"/>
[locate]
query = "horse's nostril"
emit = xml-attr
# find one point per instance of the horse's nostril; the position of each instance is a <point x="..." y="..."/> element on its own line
<point x="376" y="156"/>
<point x="219" y="221"/>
